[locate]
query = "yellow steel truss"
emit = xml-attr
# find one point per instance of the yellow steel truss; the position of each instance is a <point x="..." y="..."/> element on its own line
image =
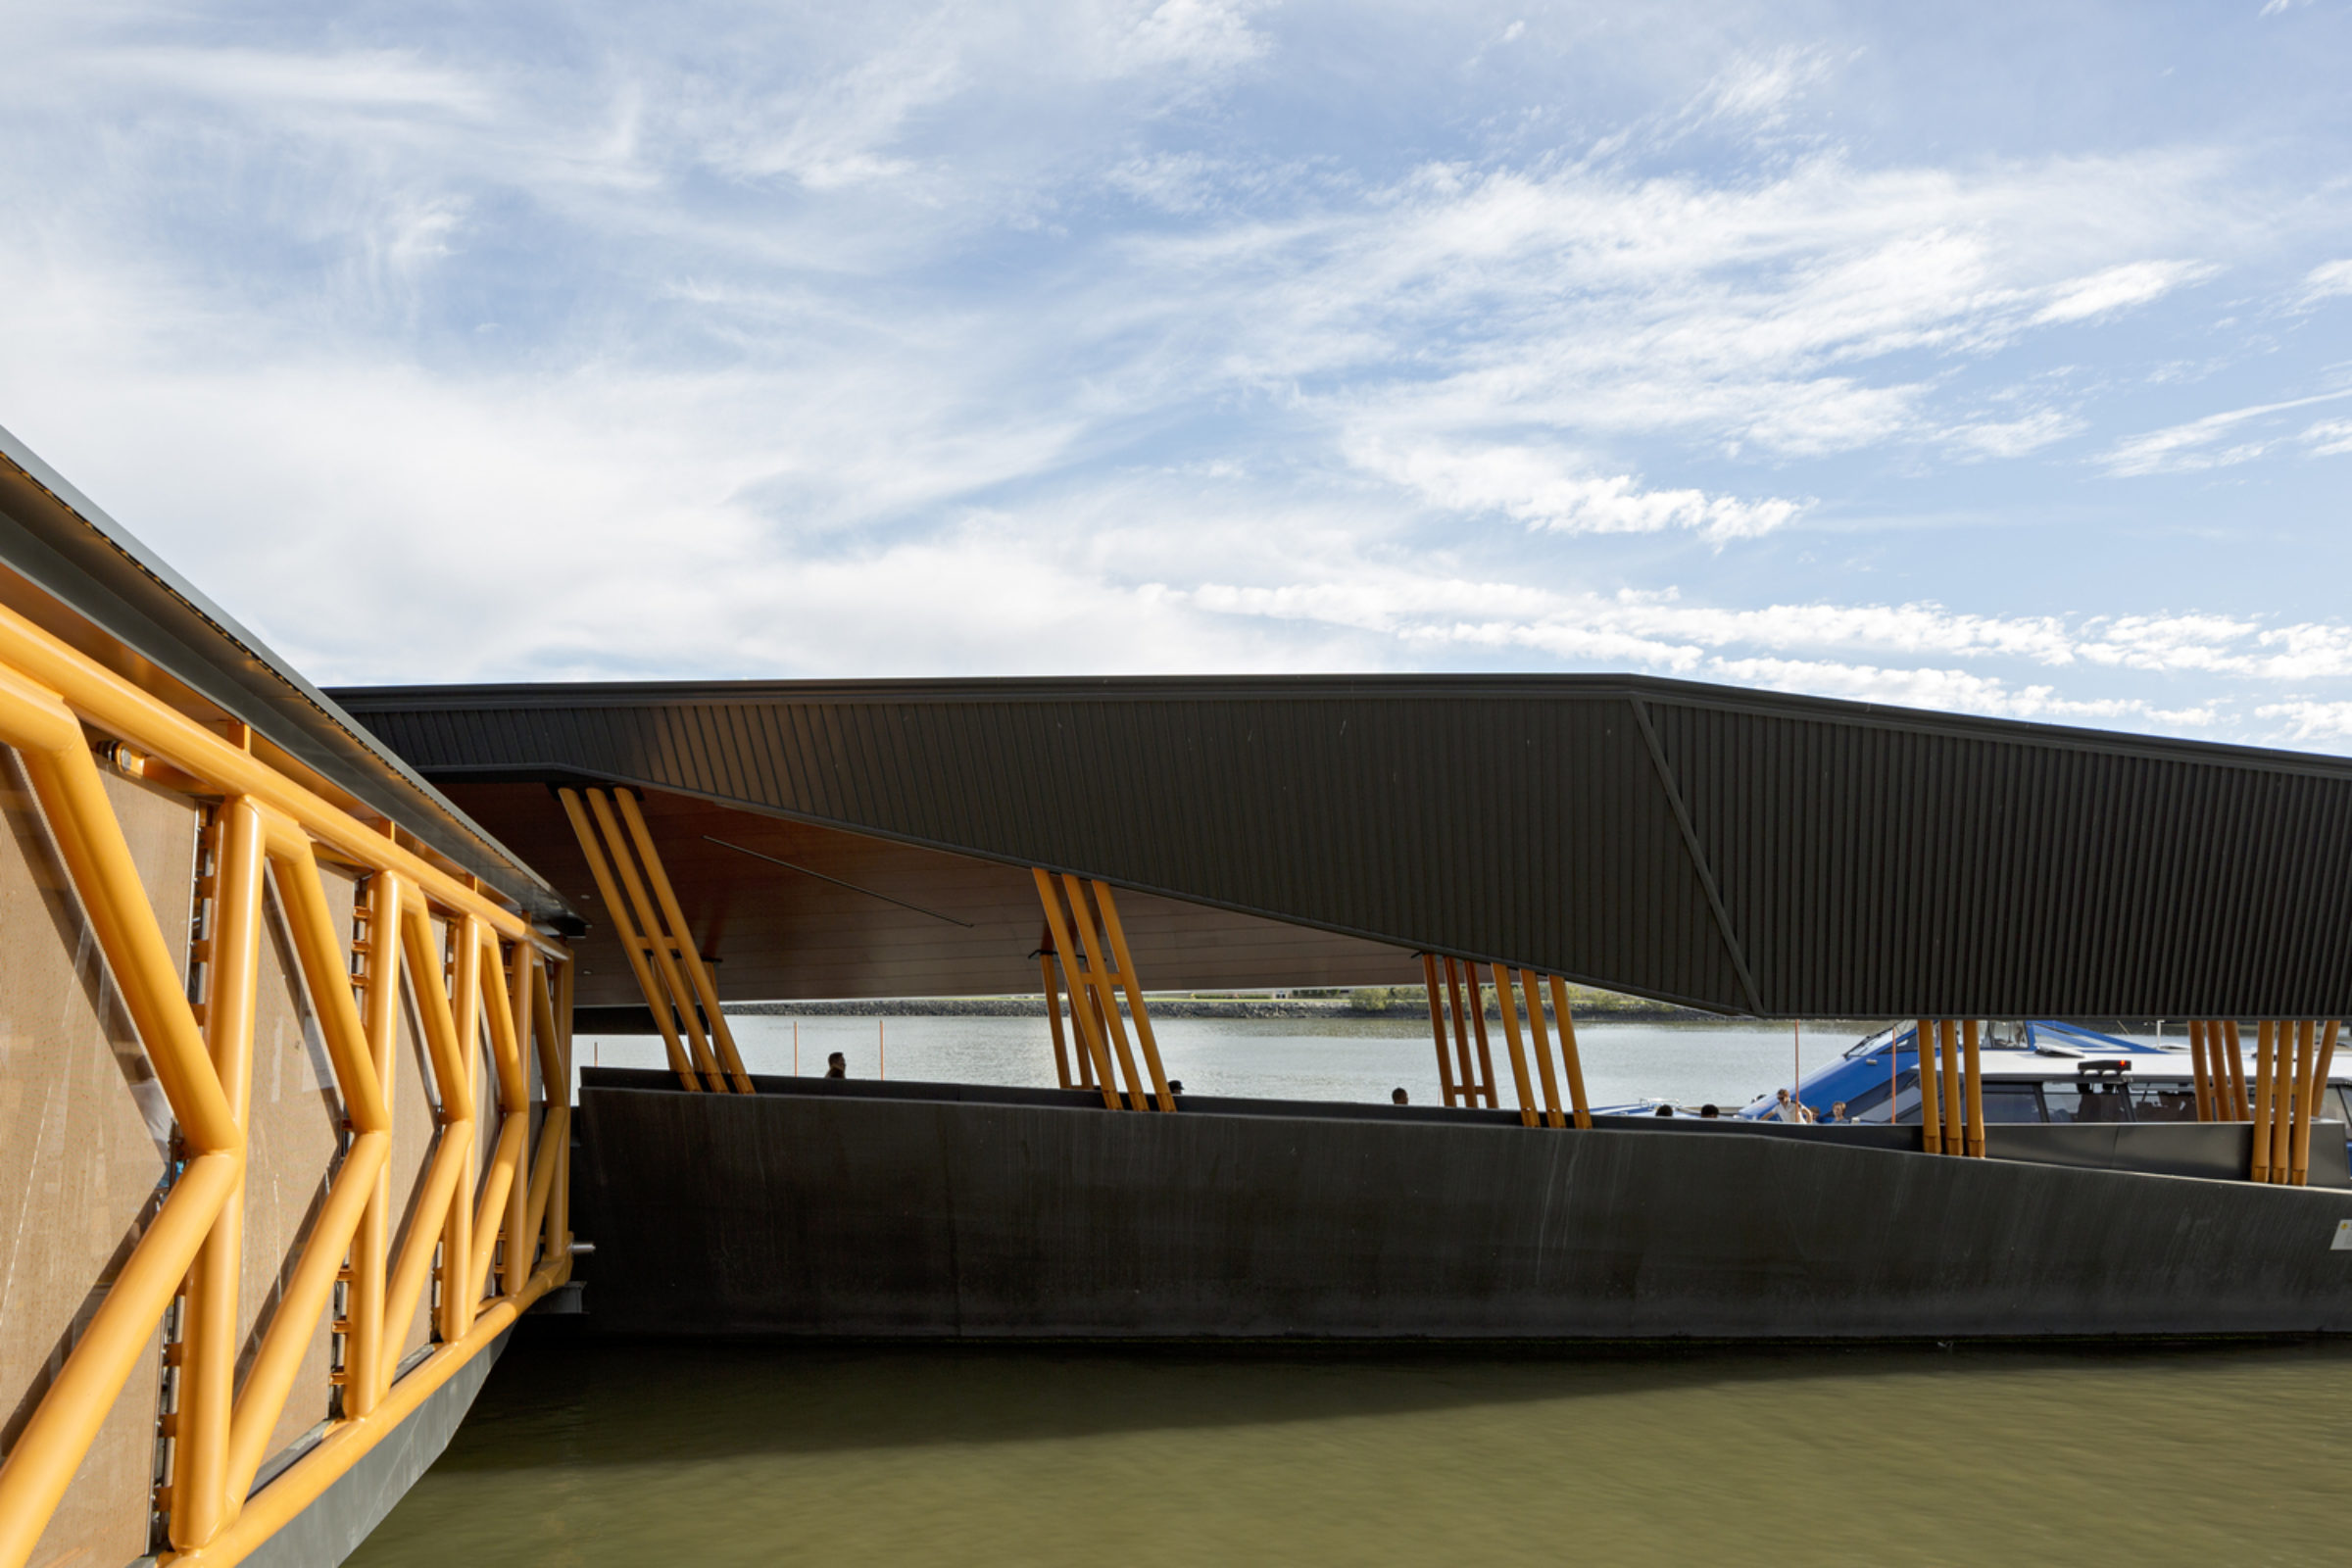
<point x="54" y="701"/>
<point x="653" y="931"/>
<point x="1085" y="936"/>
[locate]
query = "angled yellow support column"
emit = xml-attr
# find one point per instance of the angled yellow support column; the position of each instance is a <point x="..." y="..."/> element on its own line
<point x="1150" y="1045"/>
<point x="2265" y="1033"/>
<point x="1094" y="961"/>
<point x="1437" y="1029"/>
<point x="648" y="924"/>
<point x="1051" y="985"/>
<point x="1541" y="1044"/>
<point x="1082" y="1010"/>
<point x="1569" y="1058"/>
<point x="1955" y="1141"/>
<point x="1474" y="1088"/>
<point x="1973" y="1076"/>
<point x="1510" y="1039"/>
<point x="690" y="957"/>
<point x="1478" y="1028"/>
<point x="2240" y="1107"/>
<point x="2315" y="1091"/>
<point x="625" y="930"/>
<point x="2290" y="1098"/>
<point x="1931" y="1108"/>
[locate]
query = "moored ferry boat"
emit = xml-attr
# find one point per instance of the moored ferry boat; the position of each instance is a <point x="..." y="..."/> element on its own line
<point x="2034" y="1070"/>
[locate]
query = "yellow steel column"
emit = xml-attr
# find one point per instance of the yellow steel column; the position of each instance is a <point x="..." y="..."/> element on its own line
<point x="625" y="932"/>
<point x="2264" y="1031"/>
<point x="1478" y="1026"/>
<point x="1568" y="1055"/>
<point x="1472" y="1084"/>
<point x="1510" y="1040"/>
<point x="2284" y="1111"/>
<point x="371" y="1247"/>
<point x="1542" y="1042"/>
<point x="1135" y="994"/>
<point x="1052" y="993"/>
<point x="641" y="905"/>
<point x="1090" y="1027"/>
<point x="1974" y="1078"/>
<point x="1948" y="1043"/>
<point x="2298" y="1151"/>
<point x="2239" y="1106"/>
<point x="208" y="1370"/>
<point x="1931" y="1110"/>
<point x="690" y="957"/>
<point x="457" y="1236"/>
<point x="1437" y="1029"/>
<point x="1094" y="961"/>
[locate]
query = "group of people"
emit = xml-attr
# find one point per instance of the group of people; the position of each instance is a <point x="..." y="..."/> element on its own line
<point x="1787" y="1108"/>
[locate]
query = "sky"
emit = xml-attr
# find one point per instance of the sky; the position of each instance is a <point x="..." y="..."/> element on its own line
<point x="1989" y="358"/>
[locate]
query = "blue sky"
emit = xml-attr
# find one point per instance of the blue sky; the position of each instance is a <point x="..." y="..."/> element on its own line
<point x="1987" y="357"/>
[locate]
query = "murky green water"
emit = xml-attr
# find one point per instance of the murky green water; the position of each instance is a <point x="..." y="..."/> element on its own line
<point x="599" y="1454"/>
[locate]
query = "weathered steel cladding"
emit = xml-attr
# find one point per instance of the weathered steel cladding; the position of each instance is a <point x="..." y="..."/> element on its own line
<point x="1740" y="851"/>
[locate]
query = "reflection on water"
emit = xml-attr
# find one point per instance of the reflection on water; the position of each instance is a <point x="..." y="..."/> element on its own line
<point x="1279" y="1059"/>
<point x="593" y="1453"/>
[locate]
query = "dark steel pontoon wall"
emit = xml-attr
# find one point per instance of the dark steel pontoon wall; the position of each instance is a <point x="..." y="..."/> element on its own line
<point x="994" y="1215"/>
<point x="1730" y="849"/>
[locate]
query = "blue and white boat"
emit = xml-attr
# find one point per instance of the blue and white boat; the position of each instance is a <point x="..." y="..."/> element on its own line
<point x="2036" y="1071"/>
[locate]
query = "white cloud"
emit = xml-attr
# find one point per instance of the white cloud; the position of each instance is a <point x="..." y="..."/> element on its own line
<point x="2328" y="280"/>
<point x="2120" y="289"/>
<point x="1761" y="88"/>
<point x="1952" y="691"/>
<point x="2329" y="438"/>
<point x="2014" y="438"/>
<point x="1540" y="489"/>
<point x="2310" y="720"/>
<point x="2215" y="441"/>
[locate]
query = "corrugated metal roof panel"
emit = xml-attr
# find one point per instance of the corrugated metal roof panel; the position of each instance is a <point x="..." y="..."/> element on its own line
<point x="1740" y="851"/>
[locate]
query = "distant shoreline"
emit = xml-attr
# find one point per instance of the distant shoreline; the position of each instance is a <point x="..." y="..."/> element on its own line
<point x="1376" y="1002"/>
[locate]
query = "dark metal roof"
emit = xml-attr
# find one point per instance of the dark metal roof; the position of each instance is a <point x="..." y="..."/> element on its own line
<point x="1727" y="849"/>
<point x="61" y="544"/>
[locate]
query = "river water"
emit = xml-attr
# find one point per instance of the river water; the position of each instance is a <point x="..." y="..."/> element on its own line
<point x="591" y="1453"/>
<point x="1279" y="1059"/>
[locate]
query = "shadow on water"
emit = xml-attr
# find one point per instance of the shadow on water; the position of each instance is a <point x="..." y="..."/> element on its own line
<point x="710" y="1400"/>
<point x="600" y="1453"/>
